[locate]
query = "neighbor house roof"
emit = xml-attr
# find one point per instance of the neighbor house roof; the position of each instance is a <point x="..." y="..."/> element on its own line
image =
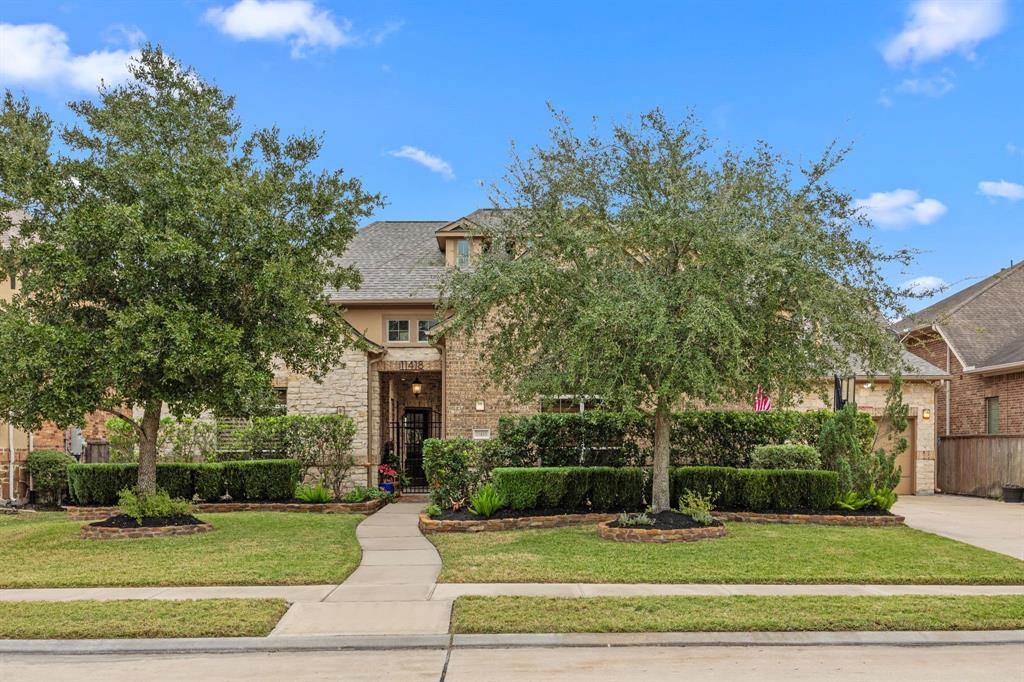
<point x="983" y="324"/>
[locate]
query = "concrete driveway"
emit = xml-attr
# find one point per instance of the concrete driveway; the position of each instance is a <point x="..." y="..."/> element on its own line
<point x="977" y="521"/>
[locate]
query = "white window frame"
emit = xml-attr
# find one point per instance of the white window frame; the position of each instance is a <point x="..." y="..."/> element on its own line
<point x="408" y="330"/>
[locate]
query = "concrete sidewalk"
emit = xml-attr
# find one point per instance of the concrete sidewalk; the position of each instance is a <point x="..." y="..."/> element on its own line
<point x="985" y="523"/>
<point x="388" y="594"/>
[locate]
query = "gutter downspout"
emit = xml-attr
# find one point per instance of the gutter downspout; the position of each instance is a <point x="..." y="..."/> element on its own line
<point x="948" y="387"/>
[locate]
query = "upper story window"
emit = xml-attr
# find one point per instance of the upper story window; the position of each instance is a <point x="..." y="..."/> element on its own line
<point x="992" y="415"/>
<point x="423" y="328"/>
<point x="398" y="330"/>
<point x="462" y="253"/>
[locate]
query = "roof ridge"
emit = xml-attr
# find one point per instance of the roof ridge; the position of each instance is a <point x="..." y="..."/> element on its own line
<point x="994" y="278"/>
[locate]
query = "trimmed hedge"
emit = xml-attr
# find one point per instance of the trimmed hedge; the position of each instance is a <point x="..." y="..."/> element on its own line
<point x="789" y="456"/>
<point x="591" y="438"/>
<point x="758" y="489"/>
<point x="699" y="437"/>
<point x="570" y="488"/>
<point x="249" y="480"/>
<point x="49" y="473"/>
<point x="612" y="489"/>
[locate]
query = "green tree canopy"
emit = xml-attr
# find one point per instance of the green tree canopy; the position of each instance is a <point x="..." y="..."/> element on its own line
<point x="650" y="269"/>
<point x="163" y="258"/>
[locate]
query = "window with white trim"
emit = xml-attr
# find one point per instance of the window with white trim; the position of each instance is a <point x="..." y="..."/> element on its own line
<point x="423" y="328"/>
<point x="462" y="253"/>
<point x="398" y="330"/>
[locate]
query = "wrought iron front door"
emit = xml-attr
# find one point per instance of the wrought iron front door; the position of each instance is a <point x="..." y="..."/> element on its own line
<point x="416" y="426"/>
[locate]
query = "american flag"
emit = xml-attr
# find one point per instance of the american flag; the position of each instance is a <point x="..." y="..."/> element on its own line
<point x="762" y="403"/>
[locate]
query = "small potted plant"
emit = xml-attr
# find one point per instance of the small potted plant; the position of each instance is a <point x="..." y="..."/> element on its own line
<point x="1013" y="493"/>
<point x="388" y="477"/>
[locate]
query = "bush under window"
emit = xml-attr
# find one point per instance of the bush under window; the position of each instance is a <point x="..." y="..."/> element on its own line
<point x="789" y="456"/>
<point x="48" y="469"/>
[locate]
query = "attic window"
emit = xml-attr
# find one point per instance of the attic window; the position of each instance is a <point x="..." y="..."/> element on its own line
<point x="462" y="254"/>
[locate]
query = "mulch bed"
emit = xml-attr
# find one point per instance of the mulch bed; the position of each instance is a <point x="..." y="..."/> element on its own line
<point x="122" y="521"/>
<point x="669" y="520"/>
<point x="466" y="515"/>
<point x="812" y="512"/>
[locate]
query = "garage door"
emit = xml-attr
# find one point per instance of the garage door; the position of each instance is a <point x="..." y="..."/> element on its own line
<point x="904" y="461"/>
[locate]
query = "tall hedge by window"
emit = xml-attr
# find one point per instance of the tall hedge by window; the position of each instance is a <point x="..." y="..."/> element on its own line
<point x="590" y="438"/>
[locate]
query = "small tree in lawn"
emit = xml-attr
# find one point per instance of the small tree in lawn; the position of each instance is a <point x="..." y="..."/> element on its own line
<point x="162" y="259"/>
<point x="647" y="269"/>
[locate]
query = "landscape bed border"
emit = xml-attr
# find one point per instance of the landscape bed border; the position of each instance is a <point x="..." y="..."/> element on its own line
<point x="658" y="535"/>
<point x="428" y="525"/>
<point x="84" y="513"/>
<point x="90" y="532"/>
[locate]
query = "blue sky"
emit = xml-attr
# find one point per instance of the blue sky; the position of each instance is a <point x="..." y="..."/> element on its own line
<point x="421" y="100"/>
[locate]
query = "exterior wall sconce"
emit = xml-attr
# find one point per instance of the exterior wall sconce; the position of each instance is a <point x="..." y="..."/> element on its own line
<point x="926" y="414"/>
<point x="479" y="406"/>
<point x="417" y="386"/>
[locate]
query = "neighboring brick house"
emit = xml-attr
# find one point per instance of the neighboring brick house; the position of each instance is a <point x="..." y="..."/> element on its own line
<point x="977" y="337"/>
<point x="409" y="384"/>
<point x="15" y="443"/>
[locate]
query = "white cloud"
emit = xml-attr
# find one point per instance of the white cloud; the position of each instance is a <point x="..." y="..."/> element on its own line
<point x="935" y="28"/>
<point x="425" y="159"/>
<point x="900" y="208"/>
<point x="1002" y="189"/>
<point x="381" y="34"/>
<point x="37" y="55"/>
<point x="1014" y="150"/>
<point x="298" y="22"/>
<point x="925" y="285"/>
<point x="936" y="86"/>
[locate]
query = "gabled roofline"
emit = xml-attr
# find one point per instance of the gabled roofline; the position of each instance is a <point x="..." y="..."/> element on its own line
<point x="945" y="339"/>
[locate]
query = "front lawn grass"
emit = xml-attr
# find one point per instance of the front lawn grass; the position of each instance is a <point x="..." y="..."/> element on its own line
<point x="750" y="553"/>
<point x="245" y="548"/>
<point x="136" y="618"/>
<point x="734" y="614"/>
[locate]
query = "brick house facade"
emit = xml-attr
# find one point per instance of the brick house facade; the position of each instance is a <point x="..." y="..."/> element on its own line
<point x="410" y="384"/>
<point x="977" y="337"/>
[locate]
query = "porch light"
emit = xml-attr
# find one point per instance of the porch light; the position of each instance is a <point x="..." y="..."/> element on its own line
<point x="417" y="386"/>
<point x="926" y="414"/>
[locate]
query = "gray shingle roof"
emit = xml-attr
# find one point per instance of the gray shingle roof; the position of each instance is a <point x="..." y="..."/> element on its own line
<point x="398" y="260"/>
<point x="984" y="323"/>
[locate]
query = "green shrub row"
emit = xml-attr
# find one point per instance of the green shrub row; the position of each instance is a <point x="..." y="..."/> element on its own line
<point x="789" y="456"/>
<point x="758" y="489"/>
<point x="604" y="489"/>
<point x="699" y="437"/>
<point x="251" y="480"/>
<point x="599" y="489"/>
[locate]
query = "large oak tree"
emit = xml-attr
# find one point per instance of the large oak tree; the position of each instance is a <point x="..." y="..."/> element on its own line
<point x="652" y="270"/>
<point x="163" y="257"/>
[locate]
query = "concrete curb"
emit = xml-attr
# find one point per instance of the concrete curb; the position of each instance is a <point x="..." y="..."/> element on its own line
<point x="50" y="647"/>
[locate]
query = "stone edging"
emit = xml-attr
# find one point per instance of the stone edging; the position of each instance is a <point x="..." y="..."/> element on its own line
<point x="429" y="525"/>
<point x="109" y="533"/>
<point x="368" y="507"/>
<point x="639" y="534"/>
<point x="813" y="519"/>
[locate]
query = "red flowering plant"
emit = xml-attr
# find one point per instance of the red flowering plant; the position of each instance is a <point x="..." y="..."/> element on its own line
<point x="386" y="472"/>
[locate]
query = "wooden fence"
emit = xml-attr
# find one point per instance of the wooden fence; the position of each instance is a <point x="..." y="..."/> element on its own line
<point x="980" y="465"/>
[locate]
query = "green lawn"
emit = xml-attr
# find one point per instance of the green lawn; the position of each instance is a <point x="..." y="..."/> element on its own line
<point x="245" y="548"/>
<point x="734" y="614"/>
<point x="751" y="553"/>
<point x="89" y="619"/>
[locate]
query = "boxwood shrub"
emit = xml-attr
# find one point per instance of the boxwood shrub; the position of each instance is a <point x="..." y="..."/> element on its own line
<point x="612" y="489"/>
<point x="252" y="480"/>
<point x="788" y="456"/>
<point x="49" y="473"/>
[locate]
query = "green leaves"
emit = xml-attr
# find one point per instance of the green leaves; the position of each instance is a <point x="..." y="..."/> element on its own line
<point x="164" y="258"/>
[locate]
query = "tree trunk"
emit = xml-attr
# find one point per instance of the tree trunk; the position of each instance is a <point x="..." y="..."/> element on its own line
<point x="662" y="437"/>
<point x="147" y="446"/>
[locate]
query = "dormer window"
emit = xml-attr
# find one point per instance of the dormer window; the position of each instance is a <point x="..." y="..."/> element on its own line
<point x="462" y="254"/>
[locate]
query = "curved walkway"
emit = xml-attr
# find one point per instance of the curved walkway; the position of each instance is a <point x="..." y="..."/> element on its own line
<point x="389" y="594"/>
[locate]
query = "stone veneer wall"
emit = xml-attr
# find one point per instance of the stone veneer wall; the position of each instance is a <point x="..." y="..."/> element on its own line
<point x="466" y="383"/>
<point x="918" y="395"/>
<point x="343" y="390"/>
